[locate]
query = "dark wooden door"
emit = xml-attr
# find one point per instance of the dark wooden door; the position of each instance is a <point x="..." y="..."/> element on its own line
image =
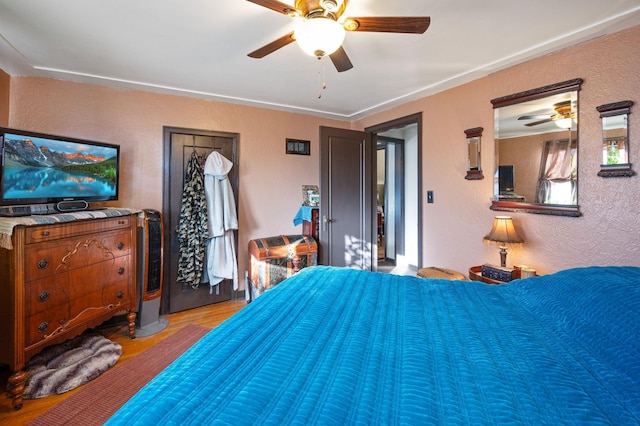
<point x="347" y="198"/>
<point x="178" y="146"/>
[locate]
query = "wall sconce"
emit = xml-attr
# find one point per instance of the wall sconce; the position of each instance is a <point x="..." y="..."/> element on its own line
<point x="503" y="233"/>
<point x="615" y="139"/>
<point x="474" y="170"/>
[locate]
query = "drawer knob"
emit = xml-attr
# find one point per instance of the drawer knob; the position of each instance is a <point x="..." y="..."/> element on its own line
<point x="45" y="233"/>
<point x="44" y="296"/>
<point x="120" y="271"/>
<point x="43" y="327"/>
<point x="120" y="245"/>
<point x="120" y="295"/>
<point x="43" y="263"/>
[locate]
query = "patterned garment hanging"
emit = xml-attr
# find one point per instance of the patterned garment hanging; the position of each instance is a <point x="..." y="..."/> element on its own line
<point x="193" y="225"/>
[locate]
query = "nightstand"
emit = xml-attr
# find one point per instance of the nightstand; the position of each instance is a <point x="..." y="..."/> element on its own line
<point x="475" y="274"/>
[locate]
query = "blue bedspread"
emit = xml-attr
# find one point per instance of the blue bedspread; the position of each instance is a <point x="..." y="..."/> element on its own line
<point x="339" y="346"/>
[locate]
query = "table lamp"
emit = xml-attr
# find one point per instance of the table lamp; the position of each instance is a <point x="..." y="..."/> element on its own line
<point x="503" y="233"/>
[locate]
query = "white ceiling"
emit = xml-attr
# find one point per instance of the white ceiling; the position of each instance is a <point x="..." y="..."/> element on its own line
<point x="199" y="48"/>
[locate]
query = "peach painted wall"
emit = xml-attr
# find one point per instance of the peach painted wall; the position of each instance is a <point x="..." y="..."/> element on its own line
<point x="270" y="190"/>
<point x="607" y="233"/>
<point x="5" y="81"/>
<point x="453" y="227"/>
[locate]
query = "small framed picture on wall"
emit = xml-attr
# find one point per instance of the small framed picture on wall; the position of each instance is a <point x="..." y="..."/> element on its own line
<point x="299" y="147"/>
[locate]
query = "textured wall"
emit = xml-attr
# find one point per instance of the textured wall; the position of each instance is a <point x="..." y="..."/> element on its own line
<point x="608" y="233"/>
<point x="4" y="98"/>
<point x="453" y="227"/>
<point x="270" y="181"/>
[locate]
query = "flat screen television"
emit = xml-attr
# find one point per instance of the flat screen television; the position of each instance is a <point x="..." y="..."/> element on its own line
<point x="506" y="178"/>
<point x="37" y="168"/>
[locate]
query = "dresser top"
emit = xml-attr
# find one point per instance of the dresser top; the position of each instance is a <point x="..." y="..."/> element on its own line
<point x="7" y="224"/>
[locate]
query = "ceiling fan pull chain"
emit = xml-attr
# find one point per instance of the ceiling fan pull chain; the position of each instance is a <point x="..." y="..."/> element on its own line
<point x="322" y="80"/>
<point x="324" y="76"/>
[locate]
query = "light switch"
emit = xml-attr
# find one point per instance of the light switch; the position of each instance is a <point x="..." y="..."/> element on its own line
<point x="430" y="197"/>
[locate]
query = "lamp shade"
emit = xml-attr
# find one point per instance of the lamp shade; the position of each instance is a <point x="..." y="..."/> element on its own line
<point x="319" y="36"/>
<point x="503" y="231"/>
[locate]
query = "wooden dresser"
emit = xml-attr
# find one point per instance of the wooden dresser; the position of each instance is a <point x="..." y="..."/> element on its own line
<point x="60" y="279"/>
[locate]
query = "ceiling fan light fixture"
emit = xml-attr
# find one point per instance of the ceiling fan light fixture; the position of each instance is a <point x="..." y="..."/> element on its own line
<point x="319" y="36"/>
<point x="564" y="123"/>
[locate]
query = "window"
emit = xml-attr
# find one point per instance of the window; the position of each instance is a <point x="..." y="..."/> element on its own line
<point x="557" y="181"/>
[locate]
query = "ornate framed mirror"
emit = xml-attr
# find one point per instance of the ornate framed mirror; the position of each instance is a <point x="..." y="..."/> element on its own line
<point x="474" y="169"/>
<point x="536" y="150"/>
<point x="615" y="139"/>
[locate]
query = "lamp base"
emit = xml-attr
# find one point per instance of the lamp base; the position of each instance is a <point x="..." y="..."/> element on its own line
<point x="503" y="256"/>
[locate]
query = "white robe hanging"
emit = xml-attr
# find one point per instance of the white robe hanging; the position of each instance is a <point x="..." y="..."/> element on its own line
<point x="221" y="262"/>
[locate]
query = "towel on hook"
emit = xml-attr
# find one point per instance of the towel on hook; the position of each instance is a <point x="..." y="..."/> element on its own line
<point x="221" y="262"/>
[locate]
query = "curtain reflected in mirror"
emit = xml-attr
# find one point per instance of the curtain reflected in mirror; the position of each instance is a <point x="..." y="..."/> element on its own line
<point x="536" y="154"/>
<point x="558" y="179"/>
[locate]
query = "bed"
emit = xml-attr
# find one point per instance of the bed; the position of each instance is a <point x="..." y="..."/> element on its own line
<point x="342" y="346"/>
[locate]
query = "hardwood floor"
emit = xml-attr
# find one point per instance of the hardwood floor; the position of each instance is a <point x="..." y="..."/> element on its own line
<point x="208" y="316"/>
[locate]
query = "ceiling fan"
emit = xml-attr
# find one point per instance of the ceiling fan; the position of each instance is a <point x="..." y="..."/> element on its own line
<point x="562" y="112"/>
<point x="322" y="25"/>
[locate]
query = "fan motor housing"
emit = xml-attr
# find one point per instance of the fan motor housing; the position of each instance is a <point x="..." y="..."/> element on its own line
<point x="329" y="6"/>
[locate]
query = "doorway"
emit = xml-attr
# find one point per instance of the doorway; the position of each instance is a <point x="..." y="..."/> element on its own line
<point x="407" y="214"/>
<point x="390" y="189"/>
<point x="179" y="144"/>
<point x="347" y="199"/>
<point x="348" y="207"/>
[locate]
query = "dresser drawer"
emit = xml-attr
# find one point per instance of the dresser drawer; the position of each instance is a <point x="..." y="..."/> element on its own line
<point x="36" y="234"/>
<point x="46" y="324"/>
<point x="54" y="257"/>
<point x="88" y="286"/>
<point x="55" y="304"/>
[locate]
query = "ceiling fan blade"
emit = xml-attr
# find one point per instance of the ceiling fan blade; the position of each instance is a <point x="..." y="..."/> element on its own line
<point x="389" y="24"/>
<point x="535" y="123"/>
<point x="534" y="117"/>
<point x="340" y="60"/>
<point x="277" y="6"/>
<point x="273" y="46"/>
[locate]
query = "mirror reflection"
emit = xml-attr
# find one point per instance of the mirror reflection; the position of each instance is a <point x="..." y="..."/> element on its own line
<point x="614" y="149"/>
<point x="615" y="139"/>
<point x="474" y="153"/>
<point x="474" y="169"/>
<point x="537" y="150"/>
